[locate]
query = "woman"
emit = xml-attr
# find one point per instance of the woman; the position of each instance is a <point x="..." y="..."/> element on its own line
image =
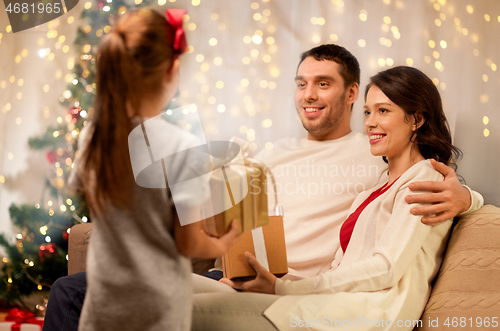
<point x="381" y="276"/>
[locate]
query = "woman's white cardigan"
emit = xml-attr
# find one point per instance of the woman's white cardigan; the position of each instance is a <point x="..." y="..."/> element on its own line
<point x="383" y="279"/>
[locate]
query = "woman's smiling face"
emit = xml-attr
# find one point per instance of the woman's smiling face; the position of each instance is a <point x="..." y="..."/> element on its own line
<point x="387" y="127"/>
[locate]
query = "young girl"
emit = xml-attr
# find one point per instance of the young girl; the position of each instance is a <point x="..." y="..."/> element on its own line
<point x="137" y="277"/>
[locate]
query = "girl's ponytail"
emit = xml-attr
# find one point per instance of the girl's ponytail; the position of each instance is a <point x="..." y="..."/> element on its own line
<point x="131" y="65"/>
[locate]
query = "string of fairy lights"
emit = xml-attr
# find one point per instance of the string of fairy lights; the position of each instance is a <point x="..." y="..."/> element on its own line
<point x="259" y="48"/>
<point x="260" y="67"/>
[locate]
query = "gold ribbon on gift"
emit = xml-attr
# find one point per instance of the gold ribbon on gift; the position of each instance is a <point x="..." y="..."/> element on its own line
<point x="259" y="243"/>
<point x="252" y="213"/>
<point x="237" y="176"/>
<point x="245" y="150"/>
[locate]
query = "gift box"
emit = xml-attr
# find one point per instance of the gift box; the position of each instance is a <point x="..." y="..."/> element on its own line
<point x="252" y="211"/>
<point x="266" y="243"/>
<point x="18" y="320"/>
<point x="12" y="326"/>
<point x="240" y="186"/>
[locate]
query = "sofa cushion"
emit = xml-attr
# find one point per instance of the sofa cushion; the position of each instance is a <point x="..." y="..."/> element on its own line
<point x="77" y="247"/>
<point x="467" y="289"/>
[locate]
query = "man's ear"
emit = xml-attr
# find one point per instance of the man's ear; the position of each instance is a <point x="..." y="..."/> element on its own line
<point x="352" y="93"/>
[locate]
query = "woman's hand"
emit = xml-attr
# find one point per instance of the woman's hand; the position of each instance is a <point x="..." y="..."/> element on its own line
<point x="263" y="283"/>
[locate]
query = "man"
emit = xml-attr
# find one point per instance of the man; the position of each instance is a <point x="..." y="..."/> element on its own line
<point x="317" y="180"/>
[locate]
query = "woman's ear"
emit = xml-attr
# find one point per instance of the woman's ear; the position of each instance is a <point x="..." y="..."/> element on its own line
<point x="419" y="121"/>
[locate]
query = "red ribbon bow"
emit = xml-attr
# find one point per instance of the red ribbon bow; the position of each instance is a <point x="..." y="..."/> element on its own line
<point x="46" y="250"/>
<point x="174" y="18"/>
<point x="18" y="316"/>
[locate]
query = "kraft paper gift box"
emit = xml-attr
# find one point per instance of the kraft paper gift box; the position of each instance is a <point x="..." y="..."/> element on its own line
<point x="261" y="235"/>
<point x="266" y="243"/>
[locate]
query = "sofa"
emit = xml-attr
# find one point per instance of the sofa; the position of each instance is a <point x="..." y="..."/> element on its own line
<point x="466" y="293"/>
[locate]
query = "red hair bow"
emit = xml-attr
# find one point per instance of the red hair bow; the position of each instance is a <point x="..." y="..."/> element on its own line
<point x="174" y="18"/>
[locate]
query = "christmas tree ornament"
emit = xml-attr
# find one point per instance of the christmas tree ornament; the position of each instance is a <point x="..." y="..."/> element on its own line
<point x="41" y="308"/>
<point x="51" y="156"/>
<point x="60" y="182"/>
<point x="47" y="251"/>
<point x="75" y="113"/>
<point x="29" y="237"/>
<point x="20" y="245"/>
<point x="65" y="234"/>
<point x="25" y="233"/>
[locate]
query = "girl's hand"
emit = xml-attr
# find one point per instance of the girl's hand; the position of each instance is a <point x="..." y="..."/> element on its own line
<point x="263" y="283"/>
<point x="223" y="243"/>
<point x="193" y="241"/>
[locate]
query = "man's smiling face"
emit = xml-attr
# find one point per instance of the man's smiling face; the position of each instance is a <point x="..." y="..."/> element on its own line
<point x="321" y="99"/>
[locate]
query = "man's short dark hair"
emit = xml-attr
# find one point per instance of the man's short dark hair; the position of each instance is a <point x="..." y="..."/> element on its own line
<point x="349" y="66"/>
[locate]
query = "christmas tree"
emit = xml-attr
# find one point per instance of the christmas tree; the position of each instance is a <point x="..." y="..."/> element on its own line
<point x="39" y="255"/>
